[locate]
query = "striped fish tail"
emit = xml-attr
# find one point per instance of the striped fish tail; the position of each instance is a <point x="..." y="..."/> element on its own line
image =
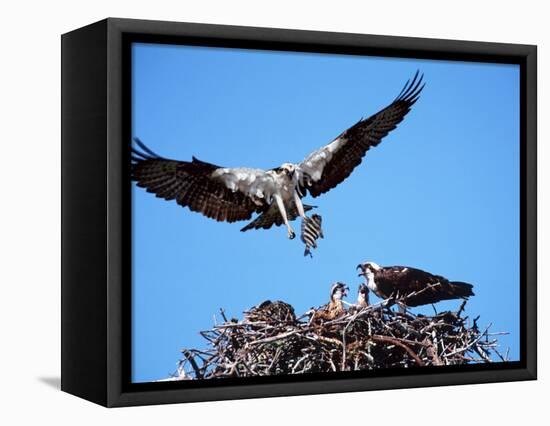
<point x="311" y="232"/>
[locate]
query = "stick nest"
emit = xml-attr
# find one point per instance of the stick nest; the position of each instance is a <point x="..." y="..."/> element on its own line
<point x="272" y="340"/>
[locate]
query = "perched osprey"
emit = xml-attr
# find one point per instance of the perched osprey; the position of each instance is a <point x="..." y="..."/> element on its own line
<point x="363" y="296"/>
<point x="410" y="286"/>
<point x="335" y="307"/>
<point x="234" y="194"/>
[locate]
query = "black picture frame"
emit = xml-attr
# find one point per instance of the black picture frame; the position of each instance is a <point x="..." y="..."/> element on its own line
<point x="96" y="209"/>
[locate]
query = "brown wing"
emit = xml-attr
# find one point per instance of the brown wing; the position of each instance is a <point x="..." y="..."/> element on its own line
<point x="328" y="312"/>
<point x="333" y="163"/>
<point x="191" y="184"/>
<point x="416" y="287"/>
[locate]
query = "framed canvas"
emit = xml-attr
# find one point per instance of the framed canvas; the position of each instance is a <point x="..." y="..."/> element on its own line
<point x="254" y="212"/>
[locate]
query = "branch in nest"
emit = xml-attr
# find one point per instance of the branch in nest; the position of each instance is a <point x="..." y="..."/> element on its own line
<point x="275" y="341"/>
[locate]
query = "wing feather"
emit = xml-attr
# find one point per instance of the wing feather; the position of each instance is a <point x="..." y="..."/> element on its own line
<point x="198" y="185"/>
<point x="418" y="287"/>
<point x="325" y="168"/>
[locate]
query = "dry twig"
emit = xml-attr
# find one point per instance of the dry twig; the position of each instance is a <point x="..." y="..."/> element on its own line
<point x="272" y="340"/>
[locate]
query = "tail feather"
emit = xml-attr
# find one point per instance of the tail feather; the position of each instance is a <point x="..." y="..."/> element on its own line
<point x="462" y="289"/>
<point x="272" y="217"/>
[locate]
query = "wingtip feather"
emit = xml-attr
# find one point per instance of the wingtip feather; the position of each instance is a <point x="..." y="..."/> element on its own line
<point x="412" y="88"/>
<point x="145" y="152"/>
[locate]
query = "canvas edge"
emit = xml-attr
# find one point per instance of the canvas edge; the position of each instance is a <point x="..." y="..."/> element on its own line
<point x="83" y="213"/>
<point x="530" y="201"/>
<point x="115" y="396"/>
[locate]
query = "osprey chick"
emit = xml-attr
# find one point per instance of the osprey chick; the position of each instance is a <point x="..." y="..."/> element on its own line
<point x="363" y="296"/>
<point x="335" y="307"/>
<point x="411" y="286"/>
<point x="234" y="194"/>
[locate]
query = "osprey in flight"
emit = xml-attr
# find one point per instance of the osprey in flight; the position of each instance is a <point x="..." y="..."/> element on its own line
<point x="410" y="286"/>
<point x="234" y="194"/>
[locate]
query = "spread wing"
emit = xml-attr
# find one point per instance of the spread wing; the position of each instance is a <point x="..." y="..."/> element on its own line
<point x="223" y="194"/>
<point x="325" y="168"/>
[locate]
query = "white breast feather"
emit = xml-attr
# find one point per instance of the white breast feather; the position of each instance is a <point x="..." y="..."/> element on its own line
<point x="371" y="284"/>
<point x="255" y="183"/>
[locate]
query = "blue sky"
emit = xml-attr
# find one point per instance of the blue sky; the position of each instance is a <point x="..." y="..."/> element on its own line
<point x="440" y="193"/>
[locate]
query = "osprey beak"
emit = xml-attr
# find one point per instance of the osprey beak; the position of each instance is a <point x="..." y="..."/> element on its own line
<point x="362" y="273"/>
